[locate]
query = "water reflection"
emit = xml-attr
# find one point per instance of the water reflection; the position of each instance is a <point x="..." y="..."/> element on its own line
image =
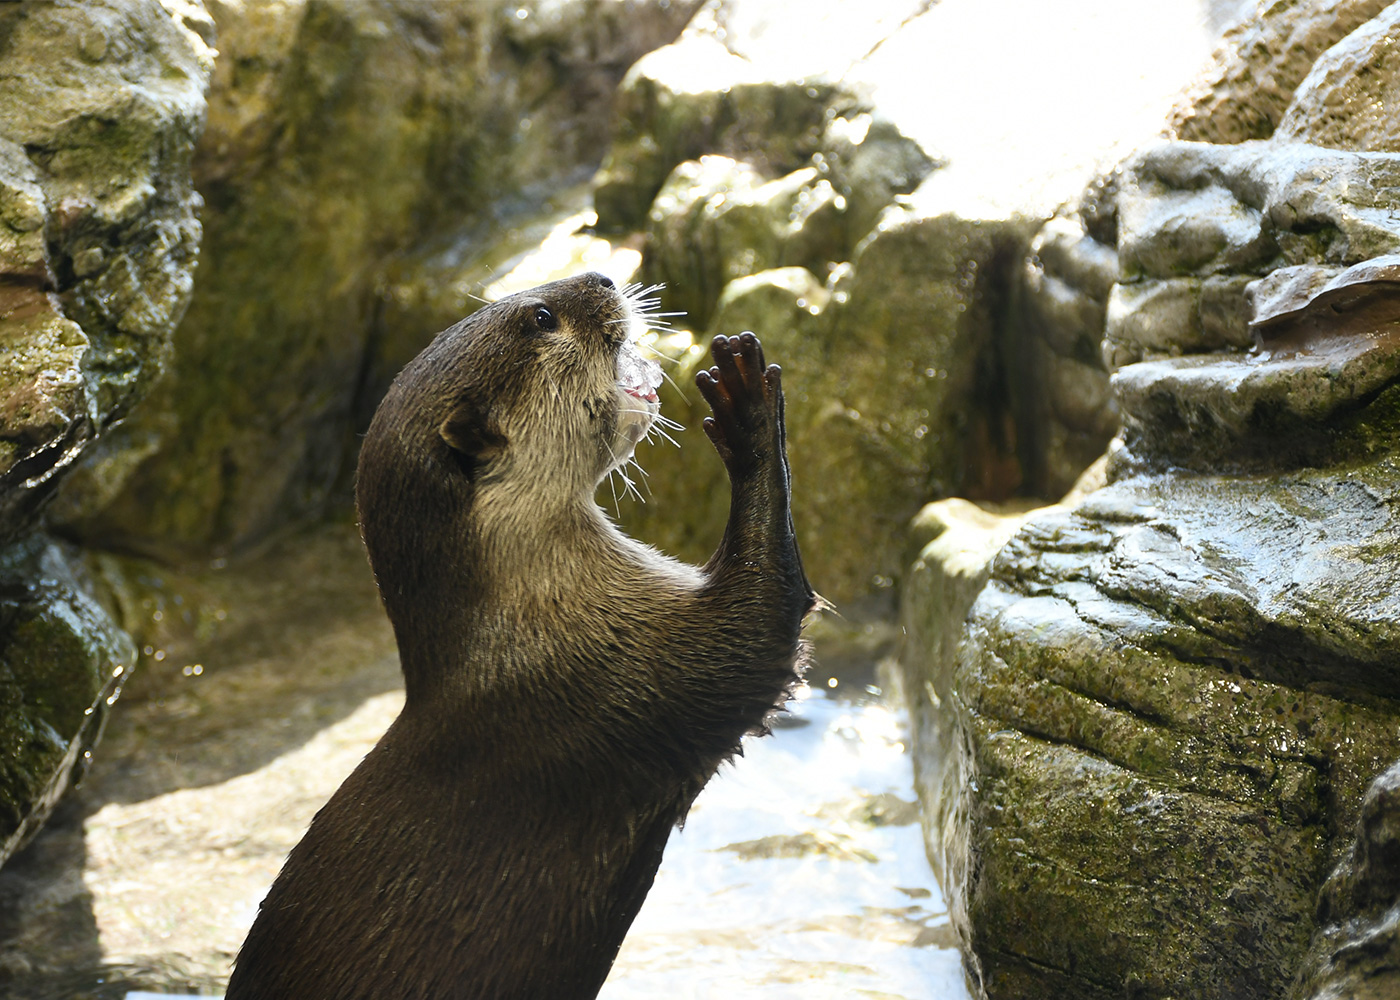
<point x="800" y="873"/>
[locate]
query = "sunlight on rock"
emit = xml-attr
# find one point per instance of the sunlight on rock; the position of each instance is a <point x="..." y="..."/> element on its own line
<point x="568" y="249"/>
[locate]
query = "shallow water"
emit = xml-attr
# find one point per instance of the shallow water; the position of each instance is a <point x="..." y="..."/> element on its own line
<point x="800" y="874"/>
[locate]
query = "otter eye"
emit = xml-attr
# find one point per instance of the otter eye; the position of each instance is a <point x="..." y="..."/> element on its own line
<point x="544" y="319"/>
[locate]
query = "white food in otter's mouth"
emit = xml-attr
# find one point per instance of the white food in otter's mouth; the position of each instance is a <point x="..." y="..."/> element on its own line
<point x="637" y="382"/>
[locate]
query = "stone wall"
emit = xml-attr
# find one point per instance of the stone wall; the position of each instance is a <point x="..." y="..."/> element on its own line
<point x="1147" y="741"/>
<point x="100" y="108"/>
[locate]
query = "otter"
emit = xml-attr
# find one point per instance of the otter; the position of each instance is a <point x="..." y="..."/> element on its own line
<point x="569" y="690"/>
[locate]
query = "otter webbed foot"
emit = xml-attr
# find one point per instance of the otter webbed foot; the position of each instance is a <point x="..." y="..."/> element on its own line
<point x="747" y="400"/>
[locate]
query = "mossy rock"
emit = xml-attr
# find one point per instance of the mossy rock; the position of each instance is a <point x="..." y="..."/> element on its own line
<point x="1159" y="709"/>
<point x="62" y="663"/>
<point x="100" y="106"/>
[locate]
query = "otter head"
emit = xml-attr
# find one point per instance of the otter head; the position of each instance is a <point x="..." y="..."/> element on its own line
<point x="518" y="410"/>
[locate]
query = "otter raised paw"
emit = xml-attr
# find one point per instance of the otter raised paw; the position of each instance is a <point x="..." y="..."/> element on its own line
<point x="569" y="690"/>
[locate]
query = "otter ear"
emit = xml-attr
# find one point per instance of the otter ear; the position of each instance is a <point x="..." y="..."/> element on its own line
<point x="467" y="431"/>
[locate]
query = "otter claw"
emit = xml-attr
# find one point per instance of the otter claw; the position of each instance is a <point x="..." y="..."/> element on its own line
<point x="745" y="396"/>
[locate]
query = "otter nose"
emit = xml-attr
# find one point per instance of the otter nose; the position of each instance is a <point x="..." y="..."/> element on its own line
<point x="602" y="279"/>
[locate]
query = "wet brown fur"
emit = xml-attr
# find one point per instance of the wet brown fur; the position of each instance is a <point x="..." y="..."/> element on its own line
<point x="569" y="690"/>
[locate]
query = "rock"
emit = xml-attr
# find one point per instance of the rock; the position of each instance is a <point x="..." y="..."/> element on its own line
<point x="715" y="220"/>
<point x="340" y="136"/>
<point x="1310" y="304"/>
<point x="956" y="542"/>
<point x="1169" y="701"/>
<point x="1152" y="743"/>
<point x="751" y="83"/>
<point x="100" y="106"/>
<point x="62" y="665"/>
<point x="1319" y="389"/>
<point x="1259" y="64"/>
<point x="1197" y="223"/>
<point x="1065" y="413"/>
<point x="870" y="161"/>
<point x="1350" y="98"/>
<point x="1170" y="696"/>
<point x="1355" y="949"/>
<point x="1168" y="316"/>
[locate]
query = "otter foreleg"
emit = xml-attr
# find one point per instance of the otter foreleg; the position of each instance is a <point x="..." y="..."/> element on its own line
<point x="758" y="556"/>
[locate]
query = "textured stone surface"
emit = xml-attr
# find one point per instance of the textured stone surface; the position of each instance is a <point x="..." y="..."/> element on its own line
<point x="341" y="135"/>
<point x="100" y="106"/>
<point x="1356" y="952"/>
<point x="1196" y="223"/>
<point x="1259" y="64"/>
<point x="62" y="664"/>
<point x="1169" y="702"/>
<point x="1152" y="744"/>
<point x="1351" y="98"/>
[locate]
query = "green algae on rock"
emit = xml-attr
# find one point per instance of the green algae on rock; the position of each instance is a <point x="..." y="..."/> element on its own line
<point x="1154" y="717"/>
<point x="100" y="107"/>
<point x="1155" y="737"/>
<point x="62" y="663"/>
<point x="1354" y="951"/>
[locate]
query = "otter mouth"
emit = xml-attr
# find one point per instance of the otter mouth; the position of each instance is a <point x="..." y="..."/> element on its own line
<point x="637" y="382"/>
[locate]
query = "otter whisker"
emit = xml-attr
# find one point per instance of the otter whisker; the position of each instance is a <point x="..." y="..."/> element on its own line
<point x="658" y="430"/>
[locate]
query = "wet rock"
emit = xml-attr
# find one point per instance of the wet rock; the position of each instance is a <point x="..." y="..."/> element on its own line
<point x="1168" y="316"/>
<point x="1170" y="696"/>
<point x="1354" y="952"/>
<point x="1197" y="223"/>
<point x="102" y="104"/>
<point x="1259" y="64"/>
<point x="1169" y="701"/>
<point x="1322" y="386"/>
<point x="62" y="664"/>
<point x="340" y="136"/>
<point x="1152" y="742"/>
<point x="957" y="541"/>
<point x="1351" y="98"/>
<point x="100" y="107"/>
